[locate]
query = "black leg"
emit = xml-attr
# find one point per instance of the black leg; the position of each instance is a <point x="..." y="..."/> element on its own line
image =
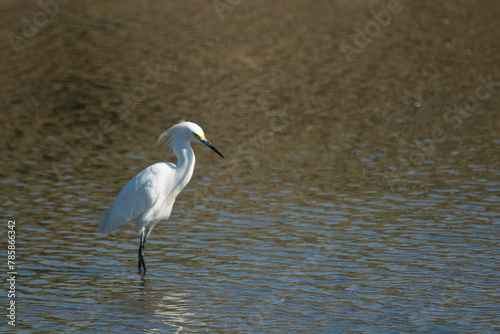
<point x="142" y="264"/>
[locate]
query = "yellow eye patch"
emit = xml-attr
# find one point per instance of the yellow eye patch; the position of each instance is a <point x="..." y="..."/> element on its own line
<point x="198" y="137"/>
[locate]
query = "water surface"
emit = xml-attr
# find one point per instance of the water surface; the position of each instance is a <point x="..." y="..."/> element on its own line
<point x="356" y="196"/>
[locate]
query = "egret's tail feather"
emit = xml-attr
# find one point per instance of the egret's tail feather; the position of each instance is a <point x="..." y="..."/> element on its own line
<point x="110" y="223"/>
<point x="103" y="218"/>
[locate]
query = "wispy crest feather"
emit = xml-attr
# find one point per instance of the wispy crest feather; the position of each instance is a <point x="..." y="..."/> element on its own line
<point x="168" y="135"/>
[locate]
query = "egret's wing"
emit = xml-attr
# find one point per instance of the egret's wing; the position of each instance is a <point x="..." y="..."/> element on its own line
<point x="138" y="200"/>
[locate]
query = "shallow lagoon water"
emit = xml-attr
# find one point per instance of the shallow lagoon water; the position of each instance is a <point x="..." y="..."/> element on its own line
<point x="250" y="260"/>
<point x="352" y="199"/>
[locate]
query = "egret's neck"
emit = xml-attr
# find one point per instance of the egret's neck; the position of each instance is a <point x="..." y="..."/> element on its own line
<point x="185" y="163"/>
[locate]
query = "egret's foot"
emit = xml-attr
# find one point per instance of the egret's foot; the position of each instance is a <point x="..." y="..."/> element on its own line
<point x="142" y="263"/>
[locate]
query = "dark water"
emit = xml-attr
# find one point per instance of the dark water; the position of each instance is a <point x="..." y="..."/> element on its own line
<point x="360" y="191"/>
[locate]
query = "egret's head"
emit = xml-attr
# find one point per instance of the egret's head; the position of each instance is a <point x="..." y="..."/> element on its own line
<point x="187" y="131"/>
<point x="195" y="132"/>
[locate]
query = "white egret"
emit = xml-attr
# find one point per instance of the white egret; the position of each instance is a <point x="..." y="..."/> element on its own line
<point x="148" y="198"/>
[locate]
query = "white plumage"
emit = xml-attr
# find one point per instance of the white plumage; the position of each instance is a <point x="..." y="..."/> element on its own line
<point x="149" y="197"/>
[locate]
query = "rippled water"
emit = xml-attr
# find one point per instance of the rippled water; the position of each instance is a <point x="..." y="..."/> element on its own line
<point x="351" y="199"/>
<point x="271" y="257"/>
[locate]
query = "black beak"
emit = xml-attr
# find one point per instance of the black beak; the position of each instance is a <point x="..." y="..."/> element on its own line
<point x="206" y="142"/>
